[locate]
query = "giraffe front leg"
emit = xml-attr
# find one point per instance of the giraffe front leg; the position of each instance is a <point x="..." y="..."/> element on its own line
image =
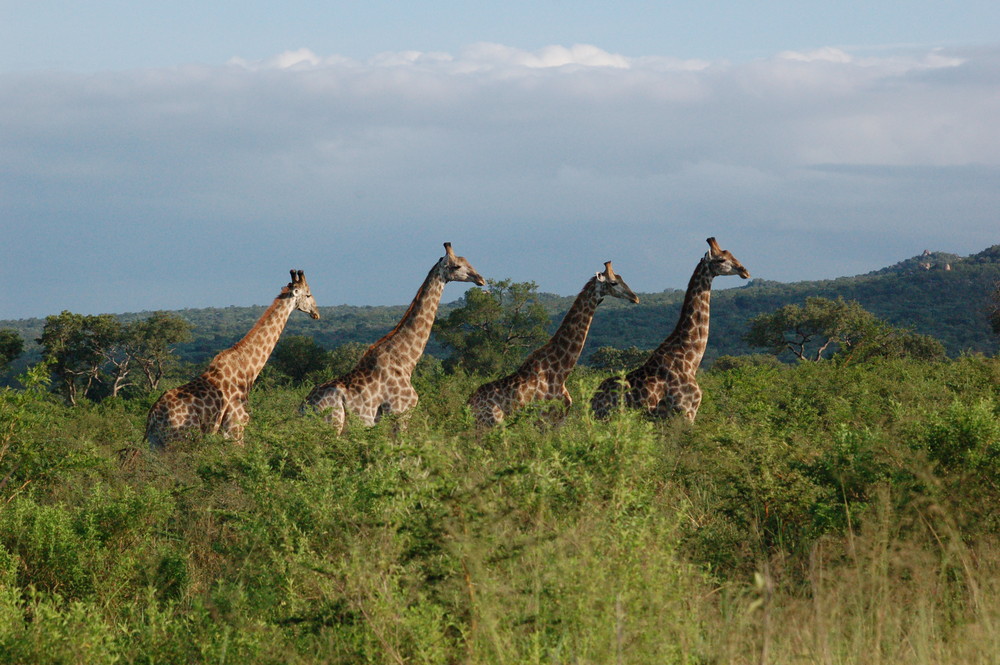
<point x="485" y="406"/>
<point x="688" y="400"/>
<point x="334" y="413"/>
<point x="608" y="397"/>
<point x="158" y="424"/>
<point x="557" y="413"/>
<point x="401" y="406"/>
<point x="329" y="404"/>
<point x="234" y="421"/>
<point x="336" y="417"/>
<point x="567" y="400"/>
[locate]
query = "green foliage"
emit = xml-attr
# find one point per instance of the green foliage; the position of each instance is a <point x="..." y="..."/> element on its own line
<point x="298" y="359"/>
<point x="993" y="309"/>
<point x="889" y="342"/>
<point x="839" y="510"/>
<point x="73" y="346"/>
<point x="822" y="328"/>
<point x="150" y="343"/>
<point x="97" y="356"/>
<point x="727" y="363"/>
<point x="343" y="358"/>
<point x="298" y="356"/>
<point x="611" y="359"/>
<point x="952" y="306"/>
<point x="30" y="453"/>
<point x="490" y="333"/>
<point x="11" y="346"/>
<point x="811" y="331"/>
<point x="965" y="437"/>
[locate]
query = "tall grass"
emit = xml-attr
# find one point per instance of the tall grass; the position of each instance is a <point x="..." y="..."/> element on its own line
<point x="819" y="514"/>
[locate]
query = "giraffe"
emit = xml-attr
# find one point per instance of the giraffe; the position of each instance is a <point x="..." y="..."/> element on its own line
<point x="380" y="383"/>
<point x="542" y="376"/>
<point x="666" y="384"/>
<point x="217" y="399"/>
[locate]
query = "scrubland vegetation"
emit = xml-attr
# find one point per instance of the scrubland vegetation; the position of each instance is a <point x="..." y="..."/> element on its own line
<point x="826" y="512"/>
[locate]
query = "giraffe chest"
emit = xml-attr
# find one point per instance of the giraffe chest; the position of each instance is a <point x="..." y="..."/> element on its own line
<point x="530" y="384"/>
<point x="232" y="382"/>
<point x="661" y="378"/>
<point x="377" y="382"/>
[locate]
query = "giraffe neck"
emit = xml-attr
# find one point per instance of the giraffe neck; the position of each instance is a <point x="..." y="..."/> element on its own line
<point x="568" y="341"/>
<point x="250" y="354"/>
<point x="691" y="332"/>
<point x="406" y="342"/>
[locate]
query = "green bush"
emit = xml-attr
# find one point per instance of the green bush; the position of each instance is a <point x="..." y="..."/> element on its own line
<point x="807" y="510"/>
<point x="965" y="436"/>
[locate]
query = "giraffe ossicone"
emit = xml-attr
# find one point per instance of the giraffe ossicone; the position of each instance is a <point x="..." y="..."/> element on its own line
<point x="379" y="384"/>
<point x="542" y="375"/>
<point x="667" y="383"/>
<point x="216" y="400"/>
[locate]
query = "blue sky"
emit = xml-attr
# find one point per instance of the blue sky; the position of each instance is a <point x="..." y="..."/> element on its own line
<point x="171" y="155"/>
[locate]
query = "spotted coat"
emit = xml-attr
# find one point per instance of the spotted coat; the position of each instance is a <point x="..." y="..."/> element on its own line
<point x="380" y="383"/>
<point x="666" y="383"/>
<point x="216" y="401"/>
<point x="542" y="376"/>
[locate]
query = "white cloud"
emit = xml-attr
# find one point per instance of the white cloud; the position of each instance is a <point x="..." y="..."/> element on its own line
<point x="551" y="56"/>
<point x="493" y="138"/>
<point x="882" y="65"/>
<point x="477" y="57"/>
<point x="302" y="58"/>
<point x="828" y="54"/>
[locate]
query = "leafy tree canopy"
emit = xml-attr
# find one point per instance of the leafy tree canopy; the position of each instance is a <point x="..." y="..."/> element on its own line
<point x="150" y="342"/>
<point x="11" y="346"/>
<point x="611" y="359"/>
<point x="88" y="354"/>
<point x="298" y="356"/>
<point x="73" y="345"/>
<point x="993" y="309"/>
<point x="494" y="328"/>
<point x="822" y="328"/>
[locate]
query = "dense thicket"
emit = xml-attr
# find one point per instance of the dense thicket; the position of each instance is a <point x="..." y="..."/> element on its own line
<point x="825" y="512"/>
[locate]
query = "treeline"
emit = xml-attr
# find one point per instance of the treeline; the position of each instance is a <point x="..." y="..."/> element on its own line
<point x="939" y="295"/>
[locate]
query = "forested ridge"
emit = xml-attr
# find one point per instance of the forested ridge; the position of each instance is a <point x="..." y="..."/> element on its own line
<point x="937" y="294"/>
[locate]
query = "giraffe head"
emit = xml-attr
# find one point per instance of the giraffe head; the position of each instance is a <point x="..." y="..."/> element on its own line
<point x="722" y="262"/>
<point x="611" y="284"/>
<point x="298" y="289"/>
<point x="457" y="269"/>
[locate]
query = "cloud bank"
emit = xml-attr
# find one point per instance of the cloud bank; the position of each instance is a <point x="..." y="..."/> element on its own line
<point x="202" y="185"/>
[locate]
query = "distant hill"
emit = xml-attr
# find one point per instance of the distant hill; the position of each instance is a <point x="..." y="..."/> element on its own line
<point x="927" y="261"/>
<point x="936" y="293"/>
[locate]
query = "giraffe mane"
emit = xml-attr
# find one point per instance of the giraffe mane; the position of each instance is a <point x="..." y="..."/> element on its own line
<point x="238" y="346"/>
<point x="406" y="315"/>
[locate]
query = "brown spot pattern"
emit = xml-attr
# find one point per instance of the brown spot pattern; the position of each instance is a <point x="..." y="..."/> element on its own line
<point x="216" y="401"/>
<point x="380" y="383"/>
<point x="666" y="383"/>
<point x="542" y="376"/>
